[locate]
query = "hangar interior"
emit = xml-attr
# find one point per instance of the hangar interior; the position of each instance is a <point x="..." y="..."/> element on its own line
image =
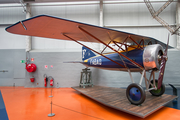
<point x="51" y="56"/>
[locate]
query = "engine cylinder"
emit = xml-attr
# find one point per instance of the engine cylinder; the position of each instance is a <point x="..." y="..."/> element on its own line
<point x="152" y="56"/>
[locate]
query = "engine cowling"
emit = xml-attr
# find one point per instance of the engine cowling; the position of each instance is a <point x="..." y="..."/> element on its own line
<point x="152" y="56"/>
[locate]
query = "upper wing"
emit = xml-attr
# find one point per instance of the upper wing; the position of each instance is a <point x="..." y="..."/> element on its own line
<point x="53" y="27"/>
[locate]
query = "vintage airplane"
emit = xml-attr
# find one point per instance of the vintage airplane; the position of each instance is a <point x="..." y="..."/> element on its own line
<point x="135" y="53"/>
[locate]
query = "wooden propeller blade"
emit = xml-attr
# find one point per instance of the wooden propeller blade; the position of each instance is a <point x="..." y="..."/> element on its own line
<point x="162" y="67"/>
<point x="161" y="72"/>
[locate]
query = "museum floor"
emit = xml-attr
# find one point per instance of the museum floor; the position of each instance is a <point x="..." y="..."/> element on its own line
<point x="19" y="103"/>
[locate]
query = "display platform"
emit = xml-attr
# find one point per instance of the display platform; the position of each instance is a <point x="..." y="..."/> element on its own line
<point x="116" y="98"/>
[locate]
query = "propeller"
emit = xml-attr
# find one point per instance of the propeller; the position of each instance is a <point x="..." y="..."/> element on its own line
<point x="163" y="58"/>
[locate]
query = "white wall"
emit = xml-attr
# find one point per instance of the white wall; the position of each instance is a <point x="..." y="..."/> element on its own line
<point x="11" y="41"/>
<point x="11" y="13"/>
<point x="136" y="14"/>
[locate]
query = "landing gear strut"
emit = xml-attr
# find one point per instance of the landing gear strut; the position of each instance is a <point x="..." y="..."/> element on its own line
<point x="157" y="92"/>
<point x="135" y="92"/>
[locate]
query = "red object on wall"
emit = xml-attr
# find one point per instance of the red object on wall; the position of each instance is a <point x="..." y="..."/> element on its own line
<point x="32" y="59"/>
<point x="51" y="82"/>
<point x="32" y="79"/>
<point x="45" y="82"/>
<point x="31" y="67"/>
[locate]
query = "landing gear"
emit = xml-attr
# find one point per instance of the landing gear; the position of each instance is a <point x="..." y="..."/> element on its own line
<point x="157" y="92"/>
<point x="135" y="94"/>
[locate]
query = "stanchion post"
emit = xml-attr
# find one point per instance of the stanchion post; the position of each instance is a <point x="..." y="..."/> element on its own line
<point x="51" y="114"/>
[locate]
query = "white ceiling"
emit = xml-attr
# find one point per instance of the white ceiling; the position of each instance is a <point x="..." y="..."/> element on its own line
<point x="43" y="1"/>
<point x="39" y="1"/>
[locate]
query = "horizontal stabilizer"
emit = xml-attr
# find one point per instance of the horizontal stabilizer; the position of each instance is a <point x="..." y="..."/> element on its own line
<point x="73" y="62"/>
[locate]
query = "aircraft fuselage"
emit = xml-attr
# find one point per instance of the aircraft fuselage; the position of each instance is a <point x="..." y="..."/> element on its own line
<point x="104" y="63"/>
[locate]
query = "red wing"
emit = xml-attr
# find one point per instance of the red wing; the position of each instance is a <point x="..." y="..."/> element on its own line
<point x="52" y="27"/>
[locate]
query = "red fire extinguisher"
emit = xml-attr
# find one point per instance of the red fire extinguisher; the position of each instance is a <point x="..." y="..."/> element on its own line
<point x="30" y="67"/>
<point x="51" y="80"/>
<point x="45" y="80"/>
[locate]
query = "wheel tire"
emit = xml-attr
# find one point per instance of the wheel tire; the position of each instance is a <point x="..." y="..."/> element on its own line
<point x="157" y="92"/>
<point x="135" y="94"/>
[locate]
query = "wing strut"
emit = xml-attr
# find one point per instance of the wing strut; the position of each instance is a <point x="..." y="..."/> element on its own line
<point x="108" y="43"/>
<point x="23" y="25"/>
<point x="123" y="44"/>
<point x="93" y="50"/>
<point x="118" y="46"/>
<point x="142" y="42"/>
<point x="136" y="42"/>
<point x="136" y="64"/>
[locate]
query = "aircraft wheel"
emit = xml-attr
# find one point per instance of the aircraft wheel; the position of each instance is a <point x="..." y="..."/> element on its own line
<point x="157" y="92"/>
<point x="135" y="94"/>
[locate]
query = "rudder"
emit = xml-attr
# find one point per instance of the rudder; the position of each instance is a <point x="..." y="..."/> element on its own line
<point x="86" y="53"/>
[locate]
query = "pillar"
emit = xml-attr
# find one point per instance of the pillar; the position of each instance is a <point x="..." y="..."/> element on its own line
<point x="101" y="20"/>
<point x="178" y="22"/>
<point x="28" y="38"/>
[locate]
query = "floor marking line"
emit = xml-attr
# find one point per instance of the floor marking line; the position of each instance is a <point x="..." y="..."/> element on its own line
<point x="77" y="112"/>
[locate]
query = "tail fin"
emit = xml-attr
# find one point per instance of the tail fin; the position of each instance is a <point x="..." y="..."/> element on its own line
<point x="86" y="53"/>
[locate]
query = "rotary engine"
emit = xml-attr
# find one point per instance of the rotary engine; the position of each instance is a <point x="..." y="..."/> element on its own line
<point x="152" y="57"/>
